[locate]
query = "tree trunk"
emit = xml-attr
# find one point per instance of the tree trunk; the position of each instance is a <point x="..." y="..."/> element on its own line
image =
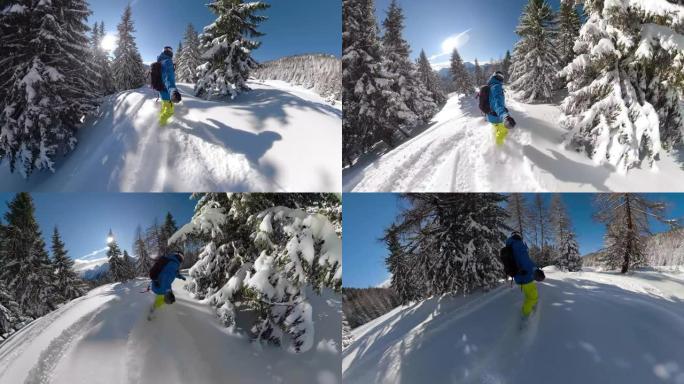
<point x="630" y="227"/>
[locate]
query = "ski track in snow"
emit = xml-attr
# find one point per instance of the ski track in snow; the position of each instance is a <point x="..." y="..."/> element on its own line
<point x="588" y="327"/>
<point x="457" y="153"/>
<point x="105" y="337"/>
<point x="277" y="137"/>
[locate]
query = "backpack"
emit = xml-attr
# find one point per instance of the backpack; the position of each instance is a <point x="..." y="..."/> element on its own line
<point x="484" y="101"/>
<point x="156" y="77"/>
<point x="157" y="267"/>
<point x="510" y="266"/>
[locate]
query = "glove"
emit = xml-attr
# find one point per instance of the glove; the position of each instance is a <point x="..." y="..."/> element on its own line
<point x="175" y="96"/>
<point x="509" y="122"/>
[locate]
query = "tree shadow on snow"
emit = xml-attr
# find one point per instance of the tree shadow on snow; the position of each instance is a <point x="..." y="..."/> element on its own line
<point x="564" y="169"/>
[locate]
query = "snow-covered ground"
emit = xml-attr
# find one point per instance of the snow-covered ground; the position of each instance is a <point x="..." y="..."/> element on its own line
<point x="105" y="337"/>
<point x="277" y="137"/>
<point x="456" y="153"/>
<point x="590" y="327"/>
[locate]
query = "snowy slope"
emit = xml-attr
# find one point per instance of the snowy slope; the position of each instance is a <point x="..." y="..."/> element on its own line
<point x="457" y="153"/>
<point x="276" y="138"/>
<point x="105" y="337"/>
<point x="589" y="328"/>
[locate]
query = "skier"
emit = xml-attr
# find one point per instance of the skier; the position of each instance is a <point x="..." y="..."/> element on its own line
<point x="169" y="94"/>
<point x="527" y="273"/>
<point x="499" y="116"/>
<point x="164" y="271"/>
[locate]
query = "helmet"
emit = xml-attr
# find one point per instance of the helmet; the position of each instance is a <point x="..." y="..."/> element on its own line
<point x="180" y="256"/>
<point x="168" y="50"/>
<point x="499" y="76"/>
<point x="516" y="233"/>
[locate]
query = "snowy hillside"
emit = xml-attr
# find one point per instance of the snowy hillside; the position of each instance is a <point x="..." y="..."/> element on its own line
<point x="589" y="328"/>
<point x="457" y="153"/>
<point x="277" y="137"/>
<point x="105" y="337"/>
<point x="321" y="73"/>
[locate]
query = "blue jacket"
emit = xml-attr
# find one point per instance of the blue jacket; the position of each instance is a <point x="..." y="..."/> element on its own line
<point x="168" y="75"/>
<point x="170" y="272"/>
<point x="522" y="258"/>
<point x="497" y="101"/>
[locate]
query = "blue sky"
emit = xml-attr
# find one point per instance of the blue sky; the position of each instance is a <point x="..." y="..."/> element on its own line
<point x="84" y="219"/>
<point x="294" y="26"/>
<point x="367" y="215"/>
<point x="482" y="29"/>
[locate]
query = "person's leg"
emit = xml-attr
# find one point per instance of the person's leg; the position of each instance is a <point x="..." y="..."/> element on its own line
<point x="500" y="133"/>
<point x="531" y="297"/>
<point x="158" y="301"/>
<point x="166" y="112"/>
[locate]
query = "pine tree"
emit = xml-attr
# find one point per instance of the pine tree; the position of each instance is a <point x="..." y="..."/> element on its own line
<point x="626" y="217"/>
<point x="227" y="48"/>
<point x="68" y="285"/>
<point x="128" y="68"/>
<point x="415" y="104"/>
<point x="463" y="84"/>
<point x="190" y="58"/>
<point x="506" y="65"/>
<point x="569" y="24"/>
<point x="47" y="81"/>
<point x="479" y="74"/>
<point x="364" y="85"/>
<point x="143" y="263"/>
<point x="117" y="268"/>
<point x="535" y="65"/>
<point x="430" y="79"/>
<point x="623" y="106"/>
<point x="26" y="270"/>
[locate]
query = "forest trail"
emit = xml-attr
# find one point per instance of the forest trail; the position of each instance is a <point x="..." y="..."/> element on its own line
<point x="105" y="337"/>
<point x="277" y="137"/>
<point x="590" y="327"/>
<point x="457" y="153"/>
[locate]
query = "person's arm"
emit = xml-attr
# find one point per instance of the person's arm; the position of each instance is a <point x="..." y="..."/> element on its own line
<point x="179" y="276"/>
<point x="169" y="75"/>
<point x="499" y="101"/>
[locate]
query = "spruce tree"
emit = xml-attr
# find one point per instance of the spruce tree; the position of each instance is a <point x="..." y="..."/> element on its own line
<point x="430" y="79"/>
<point x="412" y="93"/>
<point x="623" y="107"/>
<point x="166" y="231"/>
<point x="569" y="24"/>
<point x="47" y="81"/>
<point x="190" y="58"/>
<point x="463" y="83"/>
<point x="68" y="285"/>
<point x="506" y="65"/>
<point x="128" y="68"/>
<point x="143" y="262"/>
<point x="626" y="216"/>
<point x="26" y="271"/>
<point x="398" y="264"/>
<point x="227" y="45"/>
<point x="117" y="268"/>
<point x="363" y="83"/>
<point x="534" y="71"/>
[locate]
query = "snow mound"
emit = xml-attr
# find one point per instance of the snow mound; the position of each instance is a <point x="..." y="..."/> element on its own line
<point x="104" y="337"/>
<point x="594" y="327"/>
<point x="275" y="138"/>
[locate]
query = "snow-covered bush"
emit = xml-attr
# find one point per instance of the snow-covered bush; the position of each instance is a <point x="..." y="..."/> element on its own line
<point x="227" y="45"/>
<point x="262" y="256"/>
<point x="322" y="73"/>
<point x="623" y="106"/>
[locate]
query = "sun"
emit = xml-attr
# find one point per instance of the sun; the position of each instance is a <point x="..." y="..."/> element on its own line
<point x="110" y="239"/>
<point x="108" y="42"/>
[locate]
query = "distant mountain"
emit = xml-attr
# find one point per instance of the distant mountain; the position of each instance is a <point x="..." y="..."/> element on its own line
<point x="91" y="269"/>
<point x="319" y="72"/>
<point x="488" y="69"/>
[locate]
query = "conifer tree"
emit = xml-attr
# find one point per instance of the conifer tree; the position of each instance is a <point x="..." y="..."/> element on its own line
<point x="143" y="263"/>
<point x="569" y="24"/>
<point x="430" y="79"/>
<point x="227" y="45"/>
<point x="398" y="264"/>
<point x="68" y="285"/>
<point x="117" y="268"/>
<point x="166" y="231"/>
<point x="463" y="83"/>
<point x="128" y="266"/>
<point x="479" y="74"/>
<point x="128" y="68"/>
<point x="190" y="58"/>
<point x="347" y="337"/>
<point x="104" y="83"/>
<point x="567" y="255"/>
<point x="46" y="81"/>
<point x="535" y="59"/>
<point x="623" y="107"/>
<point x="506" y="65"/>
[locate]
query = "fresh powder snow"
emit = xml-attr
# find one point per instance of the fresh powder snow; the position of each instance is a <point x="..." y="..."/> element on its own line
<point x="589" y="327"/>
<point x="105" y="337"/>
<point x="457" y="153"/>
<point x="278" y="137"/>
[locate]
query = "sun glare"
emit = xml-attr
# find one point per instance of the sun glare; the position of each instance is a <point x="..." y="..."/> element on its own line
<point x="110" y="239"/>
<point x="108" y="42"/>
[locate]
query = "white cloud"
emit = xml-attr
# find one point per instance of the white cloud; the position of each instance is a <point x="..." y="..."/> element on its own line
<point x="93" y="253"/>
